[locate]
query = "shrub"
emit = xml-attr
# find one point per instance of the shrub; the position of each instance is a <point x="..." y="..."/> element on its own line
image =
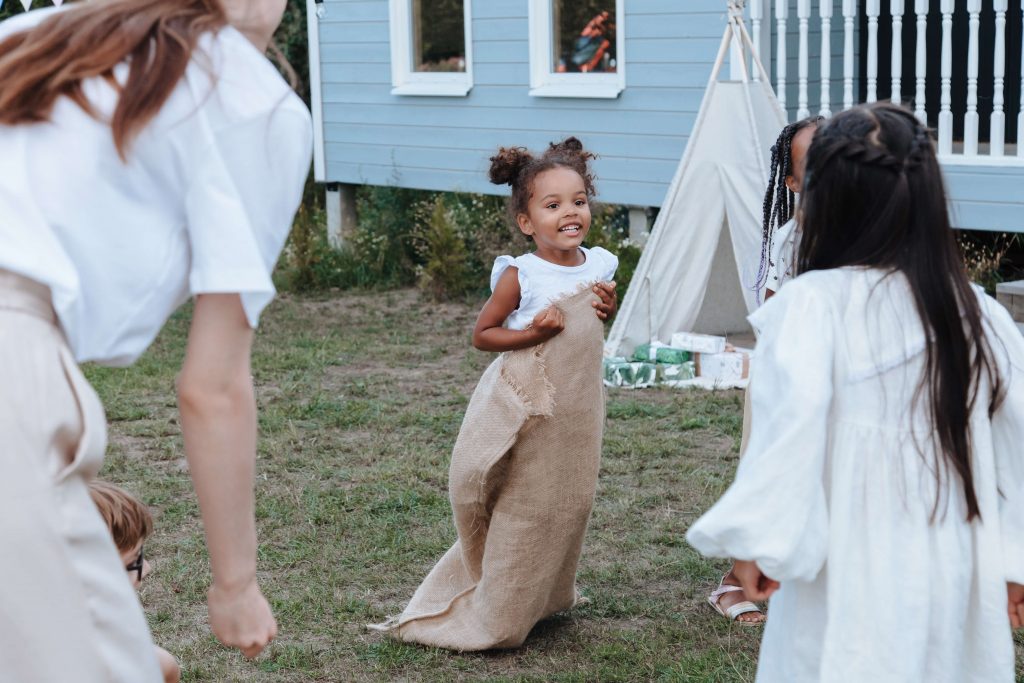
<point x="984" y="256"/>
<point x="444" y="242"/>
<point x="445" y="271"/>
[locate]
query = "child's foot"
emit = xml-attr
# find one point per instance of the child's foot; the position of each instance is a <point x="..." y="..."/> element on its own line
<point x="729" y="601"/>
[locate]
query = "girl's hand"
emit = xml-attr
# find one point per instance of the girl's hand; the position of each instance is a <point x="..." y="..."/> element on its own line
<point x="548" y="323"/>
<point x="1015" y="600"/>
<point x="756" y="585"/>
<point x="608" y="304"/>
<point x="241" y="618"/>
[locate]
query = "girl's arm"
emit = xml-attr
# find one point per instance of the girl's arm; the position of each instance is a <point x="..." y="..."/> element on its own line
<point x="218" y="422"/>
<point x="489" y="335"/>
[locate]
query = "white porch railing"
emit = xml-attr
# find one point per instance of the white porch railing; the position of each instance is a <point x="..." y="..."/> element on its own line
<point x="775" y="35"/>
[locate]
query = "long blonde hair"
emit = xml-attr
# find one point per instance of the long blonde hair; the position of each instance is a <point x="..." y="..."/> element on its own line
<point x="155" y="37"/>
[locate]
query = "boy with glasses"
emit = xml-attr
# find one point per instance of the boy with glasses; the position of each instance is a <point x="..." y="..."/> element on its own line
<point x="130" y="523"/>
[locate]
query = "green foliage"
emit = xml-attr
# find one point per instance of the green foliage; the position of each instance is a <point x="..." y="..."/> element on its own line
<point x="444" y="242"/>
<point x="985" y="255"/>
<point x="445" y="272"/>
<point x="293" y="42"/>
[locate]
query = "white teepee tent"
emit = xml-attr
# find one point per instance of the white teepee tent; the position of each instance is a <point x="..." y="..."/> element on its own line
<point x="696" y="268"/>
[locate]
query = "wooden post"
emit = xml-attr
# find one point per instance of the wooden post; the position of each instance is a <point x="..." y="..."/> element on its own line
<point x="998" y="122"/>
<point x="946" y="101"/>
<point x="341" y="213"/>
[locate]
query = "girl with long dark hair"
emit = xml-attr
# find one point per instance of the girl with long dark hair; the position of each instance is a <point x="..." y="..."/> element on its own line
<point x="881" y="499"/>
<point x="149" y="153"/>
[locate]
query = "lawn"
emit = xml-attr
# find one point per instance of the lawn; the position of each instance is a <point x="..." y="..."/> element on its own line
<point x="360" y="398"/>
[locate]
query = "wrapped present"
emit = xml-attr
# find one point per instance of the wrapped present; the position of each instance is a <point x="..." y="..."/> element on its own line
<point x="656" y="352"/>
<point x="673" y="372"/>
<point x="698" y="343"/>
<point x="619" y="372"/>
<point x="727" y="366"/>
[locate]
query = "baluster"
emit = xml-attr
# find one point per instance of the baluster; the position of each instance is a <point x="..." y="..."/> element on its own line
<point x="803" y="13"/>
<point x="997" y="134"/>
<point x="849" y="14"/>
<point x="971" y="117"/>
<point x="872" y="14"/>
<point x="756" y="15"/>
<point x="921" y="66"/>
<point x="897" y="9"/>
<point x="781" y="14"/>
<point x="946" y="113"/>
<point x="825" y="12"/>
<point x="1020" y="112"/>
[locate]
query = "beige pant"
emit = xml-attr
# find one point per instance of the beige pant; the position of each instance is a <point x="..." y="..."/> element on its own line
<point x="67" y="609"/>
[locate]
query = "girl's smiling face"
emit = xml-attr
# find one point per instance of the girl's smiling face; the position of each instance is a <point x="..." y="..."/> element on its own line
<point x="558" y="215"/>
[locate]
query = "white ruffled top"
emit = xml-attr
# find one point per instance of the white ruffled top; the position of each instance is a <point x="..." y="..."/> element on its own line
<point x="835" y="494"/>
<point x="540" y="281"/>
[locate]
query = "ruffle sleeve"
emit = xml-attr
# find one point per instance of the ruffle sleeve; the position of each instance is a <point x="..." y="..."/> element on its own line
<point x="241" y="201"/>
<point x="1008" y="435"/>
<point x="500" y="265"/>
<point x="609" y="263"/>
<point x="775" y="512"/>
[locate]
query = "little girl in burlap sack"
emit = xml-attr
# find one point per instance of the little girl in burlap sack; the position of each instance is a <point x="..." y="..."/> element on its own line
<point x="524" y="468"/>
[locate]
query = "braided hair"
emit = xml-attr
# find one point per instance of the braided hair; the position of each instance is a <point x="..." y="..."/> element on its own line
<point x="874" y="197"/>
<point x="779" y="200"/>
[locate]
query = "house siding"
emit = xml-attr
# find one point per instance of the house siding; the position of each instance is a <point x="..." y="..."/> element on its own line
<point x="443" y="143"/>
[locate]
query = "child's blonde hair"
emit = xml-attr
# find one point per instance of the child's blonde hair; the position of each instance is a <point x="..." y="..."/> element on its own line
<point x="127" y="518"/>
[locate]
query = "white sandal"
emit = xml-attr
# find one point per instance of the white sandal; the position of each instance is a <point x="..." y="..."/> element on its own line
<point x="733" y="611"/>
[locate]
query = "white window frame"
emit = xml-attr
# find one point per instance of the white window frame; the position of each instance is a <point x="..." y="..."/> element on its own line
<point x="406" y="81"/>
<point x="544" y="82"/>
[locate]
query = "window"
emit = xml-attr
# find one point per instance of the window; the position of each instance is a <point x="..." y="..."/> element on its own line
<point x="577" y="48"/>
<point x="431" y="47"/>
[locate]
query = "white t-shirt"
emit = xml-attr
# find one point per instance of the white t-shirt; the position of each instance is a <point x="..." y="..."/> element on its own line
<point x="203" y="204"/>
<point x="782" y="258"/>
<point x="541" y="281"/>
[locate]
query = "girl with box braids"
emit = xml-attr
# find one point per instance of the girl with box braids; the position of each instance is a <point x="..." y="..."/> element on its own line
<point x="780" y="197"/>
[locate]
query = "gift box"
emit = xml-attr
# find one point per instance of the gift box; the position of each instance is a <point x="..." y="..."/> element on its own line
<point x="674" y="372"/>
<point x="656" y="352"/>
<point x="727" y="366"/>
<point x="698" y="343"/>
<point x="620" y="372"/>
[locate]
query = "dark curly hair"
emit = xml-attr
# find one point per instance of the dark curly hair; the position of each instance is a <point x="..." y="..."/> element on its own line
<point x="517" y="167"/>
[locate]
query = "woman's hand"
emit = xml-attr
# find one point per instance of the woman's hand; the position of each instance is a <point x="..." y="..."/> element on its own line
<point x="755" y="584"/>
<point x="548" y="323"/>
<point x="1015" y="600"/>
<point x="241" y="617"/>
<point x="609" y="302"/>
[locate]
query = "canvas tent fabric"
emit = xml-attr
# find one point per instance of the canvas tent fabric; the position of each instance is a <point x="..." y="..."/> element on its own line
<point x="698" y="266"/>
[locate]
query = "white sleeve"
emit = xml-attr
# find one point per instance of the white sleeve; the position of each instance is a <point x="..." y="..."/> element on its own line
<point x="775" y="512"/>
<point x="1007" y="437"/>
<point x="241" y="202"/>
<point x="609" y="262"/>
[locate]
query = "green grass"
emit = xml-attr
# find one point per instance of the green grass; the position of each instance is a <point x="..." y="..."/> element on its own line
<point x="361" y="397"/>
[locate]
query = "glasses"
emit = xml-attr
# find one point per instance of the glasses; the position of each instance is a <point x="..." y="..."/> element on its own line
<point x="136" y="565"/>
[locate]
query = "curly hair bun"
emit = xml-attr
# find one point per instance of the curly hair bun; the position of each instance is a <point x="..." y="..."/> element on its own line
<point x="571" y="144"/>
<point x="507" y="163"/>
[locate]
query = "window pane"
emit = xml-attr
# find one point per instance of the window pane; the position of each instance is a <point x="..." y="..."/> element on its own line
<point x="584" y="36"/>
<point x="439" y="35"/>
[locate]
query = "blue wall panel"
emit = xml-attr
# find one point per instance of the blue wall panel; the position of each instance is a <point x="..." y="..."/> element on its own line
<point x="443" y="143"/>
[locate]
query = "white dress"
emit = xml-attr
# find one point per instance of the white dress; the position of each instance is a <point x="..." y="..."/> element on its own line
<point x="782" y="259"/>
<point x="541" y="282"/>
<point x="834" y="500"/>
<point x="203" y="203"/>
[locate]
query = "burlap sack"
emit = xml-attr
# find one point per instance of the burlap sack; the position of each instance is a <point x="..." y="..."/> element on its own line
<point x="522" y="482"/>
